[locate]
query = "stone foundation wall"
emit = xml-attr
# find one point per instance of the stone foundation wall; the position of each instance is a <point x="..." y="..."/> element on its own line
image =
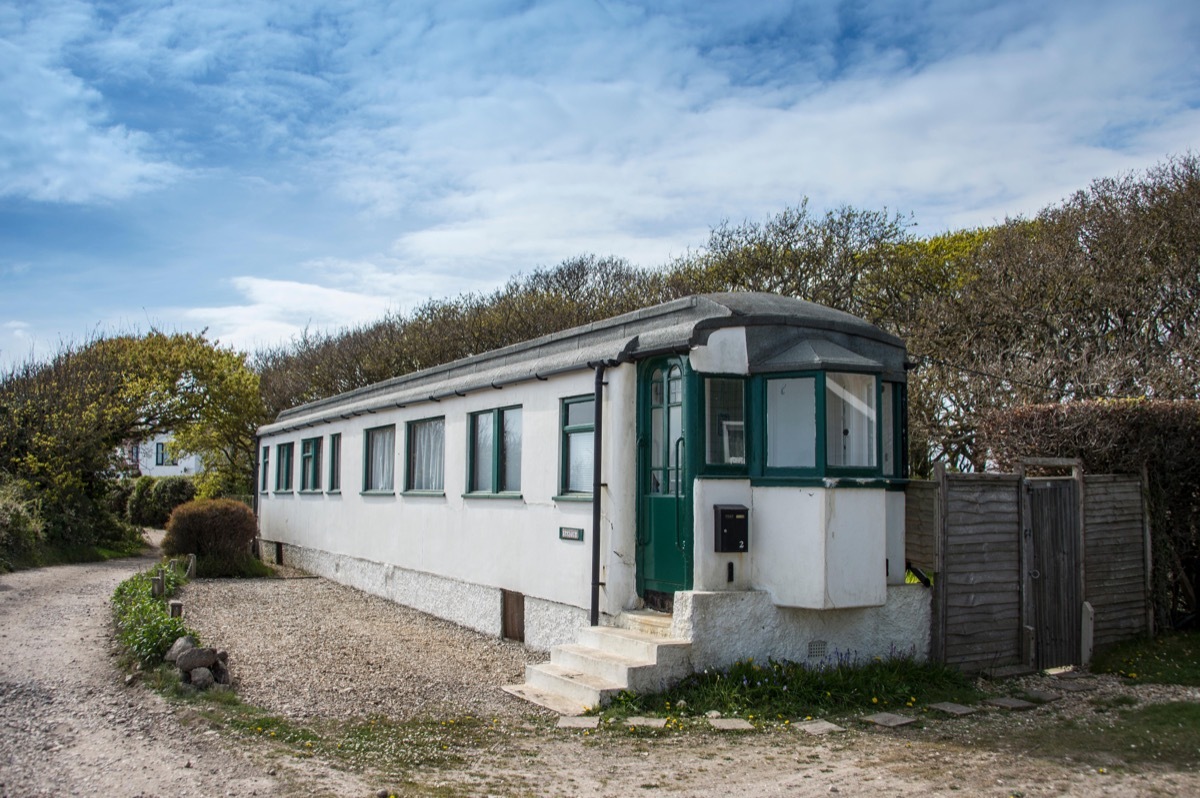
<point x="478" y="607"/>
<point x="725" y="627"/>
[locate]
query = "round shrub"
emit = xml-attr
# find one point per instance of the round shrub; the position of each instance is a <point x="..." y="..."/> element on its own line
<point x="139" y="508"/>
<point x="216" y="528"/>
<point x="167" y="494"/>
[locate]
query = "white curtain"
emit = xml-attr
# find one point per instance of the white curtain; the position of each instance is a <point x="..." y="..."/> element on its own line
<point x="427" y="454"/>
<point x="381" y="454"/>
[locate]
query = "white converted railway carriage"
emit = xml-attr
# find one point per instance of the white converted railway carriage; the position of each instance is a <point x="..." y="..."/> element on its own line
<point x="750" y="452"/>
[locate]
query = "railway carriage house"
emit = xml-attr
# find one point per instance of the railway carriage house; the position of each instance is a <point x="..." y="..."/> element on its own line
<point x="714" y="478"/>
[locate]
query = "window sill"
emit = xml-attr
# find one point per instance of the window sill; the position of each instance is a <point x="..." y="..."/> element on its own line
<point x="311" y="493"/>
<point x="485" y="495"/>
<point x="377" y="493"/>
<point x="333" y="493"/>
<point x="284" y="492"/>
<point x="437" y="494"/>
<point x="574" y="497"/>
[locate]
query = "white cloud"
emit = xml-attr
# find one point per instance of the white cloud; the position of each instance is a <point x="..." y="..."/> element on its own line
<point x="56" y="144"/>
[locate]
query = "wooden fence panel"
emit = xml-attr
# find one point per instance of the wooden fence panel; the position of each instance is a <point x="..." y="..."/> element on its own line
<point x="979" y="589"/>
<point x="921" y="524"/>
<point x="1115" y="558"/>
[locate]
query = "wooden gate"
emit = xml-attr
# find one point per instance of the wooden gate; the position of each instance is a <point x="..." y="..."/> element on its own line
<point x="1052" y="555"/>
<point x="1017" y="561"/>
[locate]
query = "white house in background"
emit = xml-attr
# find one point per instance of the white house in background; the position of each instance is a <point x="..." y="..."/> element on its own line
<point x="719" y="477"/>
<point x="153" y="458"/>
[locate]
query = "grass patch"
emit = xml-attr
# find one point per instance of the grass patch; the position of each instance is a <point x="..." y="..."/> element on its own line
<point x="778" y="690"/>
<point x="1169" y="659"/>
<point x="1166" y="734"/>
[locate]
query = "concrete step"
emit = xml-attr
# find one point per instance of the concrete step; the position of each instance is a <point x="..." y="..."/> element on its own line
<point x="636" y="675"/>
<point x="580" y="687"/>
<point x="637" y="645"/>
<point x="646" y="621"/>
<point x="546" y="699"/>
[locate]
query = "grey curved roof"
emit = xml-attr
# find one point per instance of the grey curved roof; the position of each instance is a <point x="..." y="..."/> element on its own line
<point x="782" y="333"/>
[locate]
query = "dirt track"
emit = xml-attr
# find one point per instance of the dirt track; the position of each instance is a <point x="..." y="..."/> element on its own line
<point x="69" y="725"/>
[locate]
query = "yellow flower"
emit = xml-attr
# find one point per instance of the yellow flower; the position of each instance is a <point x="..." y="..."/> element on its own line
<point x="874" y="700"/>
<point x="1133" y="676"/>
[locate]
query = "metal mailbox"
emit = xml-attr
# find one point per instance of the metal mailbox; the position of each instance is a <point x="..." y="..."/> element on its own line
<point x="732" y="525"/>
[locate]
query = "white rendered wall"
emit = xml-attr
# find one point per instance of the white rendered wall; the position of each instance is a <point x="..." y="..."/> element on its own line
<point x="811" y="547"/>
<point x="725" y="627"/>
<point x="415" y="543"/>
<point x="725" y="352"/>
<point x="188" y="464"/>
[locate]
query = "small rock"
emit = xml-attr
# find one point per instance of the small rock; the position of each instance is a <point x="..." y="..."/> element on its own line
<point x="195" y="658"/>
<point x="712" y="713"/>
<point x="202" y="678"/>
<point x="381" y="794"/>
<point x="178" y="647"/>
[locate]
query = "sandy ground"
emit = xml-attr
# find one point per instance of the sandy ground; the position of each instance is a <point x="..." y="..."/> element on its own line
<point x="70" y="725"/>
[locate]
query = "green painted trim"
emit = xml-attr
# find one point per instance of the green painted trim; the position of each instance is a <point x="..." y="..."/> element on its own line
<point x="583" y="498"/>
<point x="377" y="493"/>
<point x="333" y="493"/>
<point x="564" y="430"/>
<point x="485" y="495"/>
<point x="424" y="493"/>
<point x="317" y="492"/>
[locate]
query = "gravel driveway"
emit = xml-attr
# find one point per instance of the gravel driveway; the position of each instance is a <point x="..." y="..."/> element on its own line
<point x="307" y="647"/>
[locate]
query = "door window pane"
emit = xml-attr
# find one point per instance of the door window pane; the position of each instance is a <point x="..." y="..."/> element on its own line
<point x="792" y="423"/>
<point x="335" y="461"/>
<point x="850" y="420"/>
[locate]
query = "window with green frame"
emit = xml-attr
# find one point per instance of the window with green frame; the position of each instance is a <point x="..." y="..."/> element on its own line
<point x="264" y="483"/>
<point x="577" y="445"/>
<point x="494" y="451"/>
<point x="379" y="459"/>
<point x="803" y="425"/>
<point x="283" y="466"/>
<point x="310" y="464"/>
<point x="335" y="463"/>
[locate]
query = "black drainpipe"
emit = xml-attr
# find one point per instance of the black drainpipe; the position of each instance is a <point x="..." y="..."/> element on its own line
<point x="597" y="456"/>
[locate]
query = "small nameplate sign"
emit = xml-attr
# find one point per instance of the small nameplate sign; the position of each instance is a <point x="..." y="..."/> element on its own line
<point x="569" y="533"/>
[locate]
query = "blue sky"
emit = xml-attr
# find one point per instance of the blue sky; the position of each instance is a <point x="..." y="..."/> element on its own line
<point x="254" y="167"/>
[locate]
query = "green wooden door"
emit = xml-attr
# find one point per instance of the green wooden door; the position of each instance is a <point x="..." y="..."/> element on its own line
<point x="664" y="552"/>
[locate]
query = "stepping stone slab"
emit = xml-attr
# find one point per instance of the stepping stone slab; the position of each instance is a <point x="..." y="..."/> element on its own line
<point x="890" y="720"/>
<point x="730" y="724"/>
<point x="817" y="727"/>
<point x="570" y="722"/>
<point x="646" y="723"/>
<point x="1075" y="687"/>
<point x="950" y="708"/>
<point x="1043" y="696"/>
<point x="1011" y="704"/>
